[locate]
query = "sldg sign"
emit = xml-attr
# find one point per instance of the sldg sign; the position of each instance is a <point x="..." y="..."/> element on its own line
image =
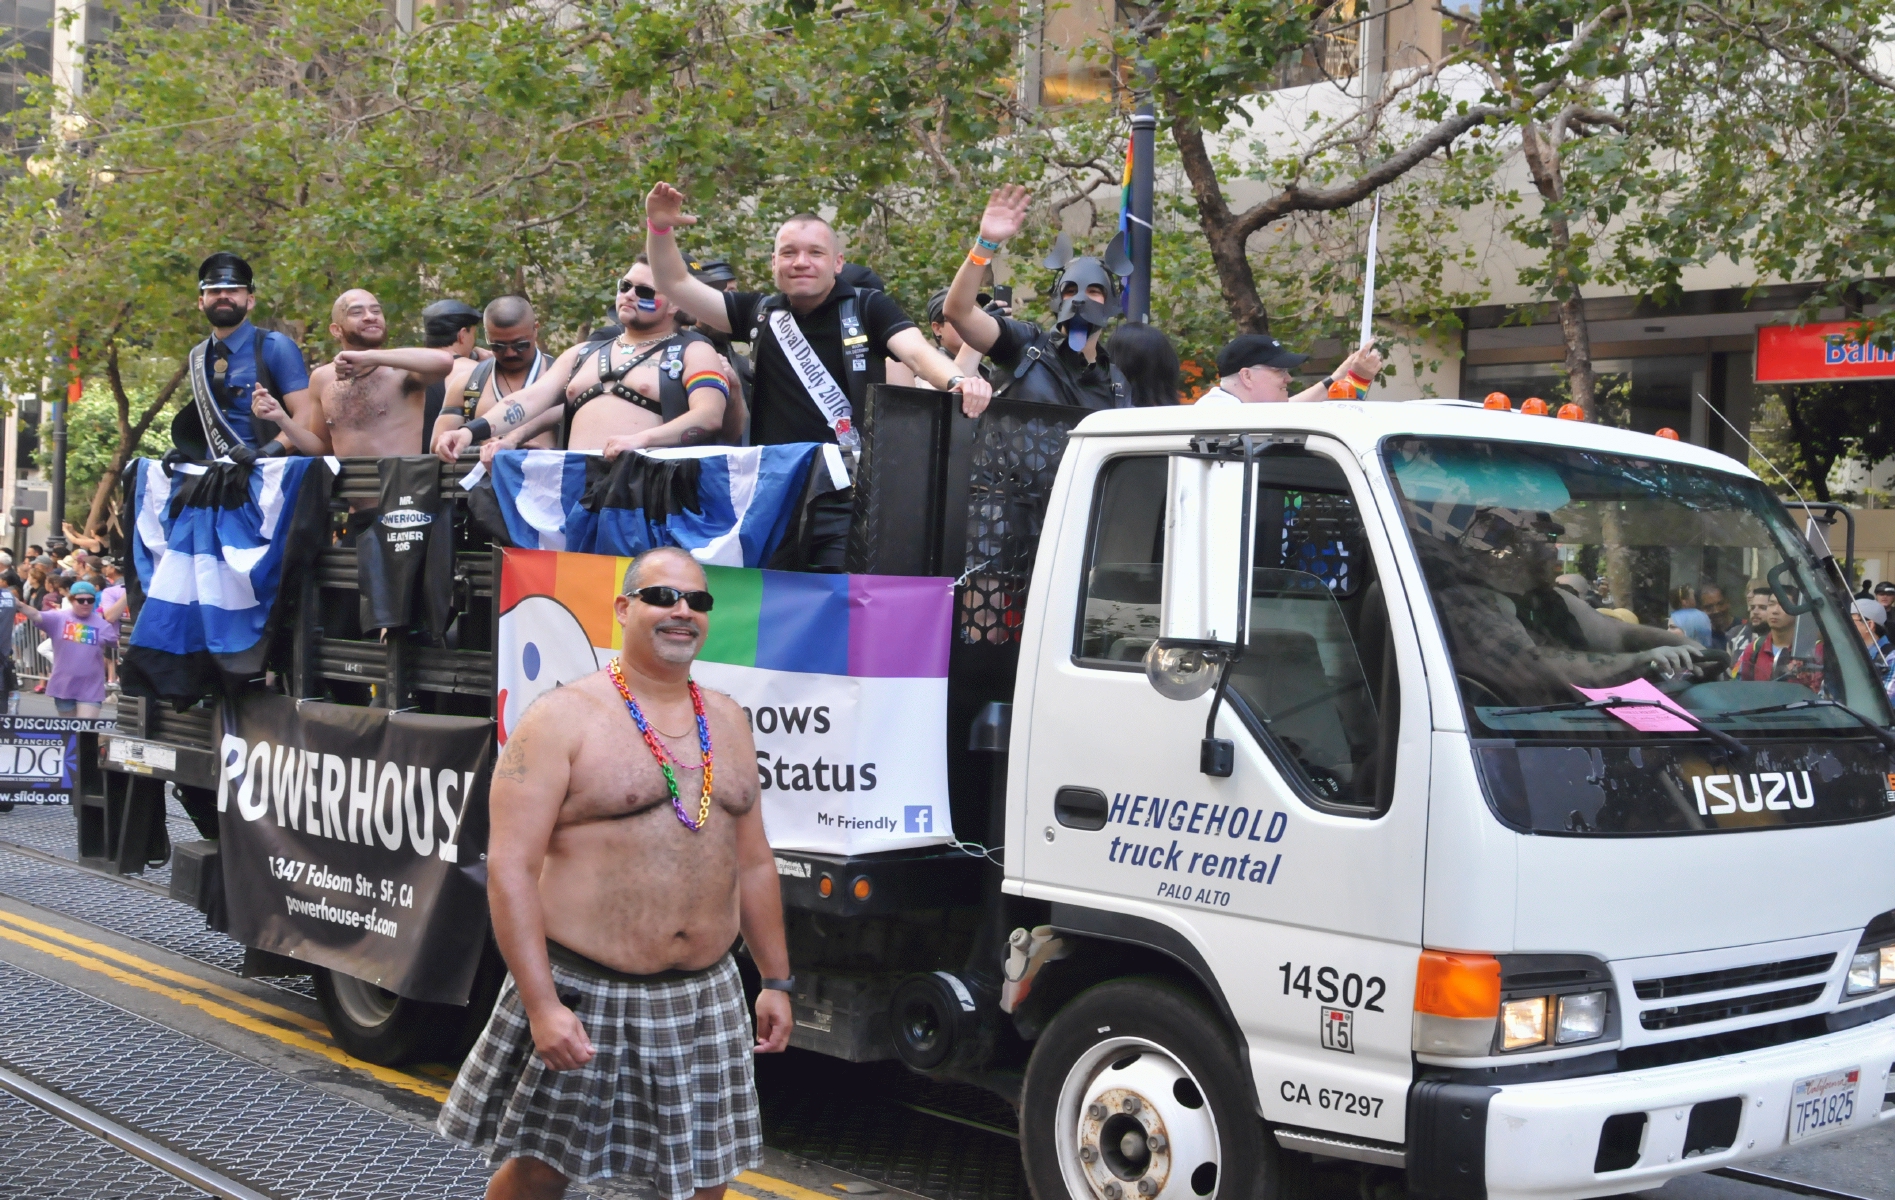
<point x="1815" y="353"/>
<point x="35" y="760"/>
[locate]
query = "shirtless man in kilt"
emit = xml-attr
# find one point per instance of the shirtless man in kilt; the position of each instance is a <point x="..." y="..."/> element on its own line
<point x="620" y="873"/>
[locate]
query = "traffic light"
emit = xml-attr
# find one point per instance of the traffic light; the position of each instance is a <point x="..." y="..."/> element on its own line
<point x="22" y="518"/>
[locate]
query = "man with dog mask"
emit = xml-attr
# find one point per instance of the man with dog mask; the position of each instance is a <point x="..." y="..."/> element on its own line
<point x="1063" y="365"/>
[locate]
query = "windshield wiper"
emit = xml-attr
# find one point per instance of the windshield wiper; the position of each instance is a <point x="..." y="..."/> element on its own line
<point x="1717" y="735"/>
<point x="1867" y="722"/>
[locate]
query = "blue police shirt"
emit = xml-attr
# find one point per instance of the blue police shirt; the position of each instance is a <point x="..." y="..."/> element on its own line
<point x="287" y="372"/>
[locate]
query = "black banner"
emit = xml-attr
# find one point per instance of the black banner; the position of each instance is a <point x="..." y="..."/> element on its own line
<point x="354" y="838"/>
<point x="39" y="757"/>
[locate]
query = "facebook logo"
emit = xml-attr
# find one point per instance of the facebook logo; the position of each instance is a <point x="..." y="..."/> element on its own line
<point x="919" y="818"/>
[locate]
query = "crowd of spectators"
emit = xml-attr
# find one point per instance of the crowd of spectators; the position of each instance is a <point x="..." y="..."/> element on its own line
<point x="61" y="615"/>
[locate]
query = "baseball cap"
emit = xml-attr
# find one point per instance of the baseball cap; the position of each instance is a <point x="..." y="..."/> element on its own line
<point x="84" y="589"/>
<point x="1872" y="611"/>
<point x="1885" y="588"/>
<point x="1256" y="350"/>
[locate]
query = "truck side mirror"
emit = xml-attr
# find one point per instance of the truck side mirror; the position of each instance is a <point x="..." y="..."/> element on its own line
<point x="1204" y="607"/>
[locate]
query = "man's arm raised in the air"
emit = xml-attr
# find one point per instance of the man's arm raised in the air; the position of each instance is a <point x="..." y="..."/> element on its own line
<point x="1006" y="213"/>
<point x="527" y="411"/>
<point x="938" y="369"/>
<point x="759" y="893"/>
<point x="1365" y="363"/>
<point x="700" y="423"/>
<point x="424" y="363"/>
<point x="523" y="802"/>
<point x="664" y="209"/>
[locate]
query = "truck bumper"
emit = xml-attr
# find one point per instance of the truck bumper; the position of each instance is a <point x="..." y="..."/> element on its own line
<point x="1551" y="1141"/>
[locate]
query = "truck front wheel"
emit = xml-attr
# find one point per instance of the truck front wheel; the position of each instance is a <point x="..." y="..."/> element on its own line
<point x="1135" y="1092"/>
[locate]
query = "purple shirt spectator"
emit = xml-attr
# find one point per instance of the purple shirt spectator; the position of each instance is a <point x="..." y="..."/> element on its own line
<point x="78" y="654"/>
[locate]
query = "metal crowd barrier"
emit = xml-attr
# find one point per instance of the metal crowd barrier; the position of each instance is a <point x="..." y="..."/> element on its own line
<point x="32" y="666"/>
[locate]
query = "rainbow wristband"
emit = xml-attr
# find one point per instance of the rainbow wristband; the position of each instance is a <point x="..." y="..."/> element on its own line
<point x="709" y="379"/>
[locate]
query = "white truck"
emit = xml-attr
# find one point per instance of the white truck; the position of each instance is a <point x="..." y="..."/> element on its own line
<point x="1327" y="809"/>
<point x="1388" y="885"/>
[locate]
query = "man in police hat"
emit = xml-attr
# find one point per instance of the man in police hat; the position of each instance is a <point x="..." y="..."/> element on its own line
<point x="246" y="383"/>
<point x="1254" y="368"/>
<point x="449" y="325"/>
<point x="1062" y="365"/>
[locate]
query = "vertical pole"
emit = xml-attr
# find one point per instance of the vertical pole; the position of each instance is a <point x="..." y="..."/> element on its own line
<point x="54" y="536"/>
<point x="1144" y="131"/>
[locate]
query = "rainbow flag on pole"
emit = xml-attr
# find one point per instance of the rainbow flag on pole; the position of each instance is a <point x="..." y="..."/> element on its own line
<point x="844" y="679"/>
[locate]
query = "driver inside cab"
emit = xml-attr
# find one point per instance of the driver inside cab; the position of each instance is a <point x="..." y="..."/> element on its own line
<point x="1519" y="639"/>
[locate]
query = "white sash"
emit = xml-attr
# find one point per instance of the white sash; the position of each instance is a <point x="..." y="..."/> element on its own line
<point x="821" y="386"/>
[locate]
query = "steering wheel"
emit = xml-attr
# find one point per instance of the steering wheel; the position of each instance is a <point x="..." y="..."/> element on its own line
<point x="1476" y="694"/>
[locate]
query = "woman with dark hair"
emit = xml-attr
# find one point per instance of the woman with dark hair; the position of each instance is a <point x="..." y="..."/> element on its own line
<point x="1149" y="362"/>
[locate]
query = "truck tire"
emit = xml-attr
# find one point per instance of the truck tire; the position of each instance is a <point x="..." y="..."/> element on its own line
<point x="378" y="1026"/>
<point x="1135" y="1092"/>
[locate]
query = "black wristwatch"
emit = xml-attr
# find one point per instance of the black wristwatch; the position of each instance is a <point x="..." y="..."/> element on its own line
<point x="780" y="985"/>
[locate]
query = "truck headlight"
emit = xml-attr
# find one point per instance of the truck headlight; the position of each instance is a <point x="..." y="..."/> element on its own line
<point x="1865" y="973"/>
<point x="1522" y="1023"/>
<point x="1886" y="975"/>
<point x="1581" y="1017"/>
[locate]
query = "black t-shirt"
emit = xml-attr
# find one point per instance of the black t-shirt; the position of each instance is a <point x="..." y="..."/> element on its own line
<point x="1011" y="345"/>
<point x="780" y="408"/>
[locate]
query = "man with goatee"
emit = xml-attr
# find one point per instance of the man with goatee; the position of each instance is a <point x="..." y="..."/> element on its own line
<point x="370" y="398"/>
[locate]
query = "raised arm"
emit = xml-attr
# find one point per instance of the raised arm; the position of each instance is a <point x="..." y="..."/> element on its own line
<point x="293" y="432"/>
<point x="938" y="369"/>
<point x="1006" y="213"/>
<point x="664" y="210"/>
<point x="422" y="362"/>
<point x="529" y="786"/>
<point x="1365" y="364"/>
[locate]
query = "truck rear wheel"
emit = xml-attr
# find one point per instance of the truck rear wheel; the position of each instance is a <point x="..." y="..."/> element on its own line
<point x="1134" y="1092"/>
<point x="378" y="1026"/>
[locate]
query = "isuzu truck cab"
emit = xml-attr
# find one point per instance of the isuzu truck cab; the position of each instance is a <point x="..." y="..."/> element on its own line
<point x="1363" y="833"/>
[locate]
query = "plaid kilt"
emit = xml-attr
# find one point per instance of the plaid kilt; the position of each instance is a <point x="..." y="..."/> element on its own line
<point x="669" y="1095"/>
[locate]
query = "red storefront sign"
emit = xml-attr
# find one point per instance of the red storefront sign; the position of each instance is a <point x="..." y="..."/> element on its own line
<point x="1817" y="353"/>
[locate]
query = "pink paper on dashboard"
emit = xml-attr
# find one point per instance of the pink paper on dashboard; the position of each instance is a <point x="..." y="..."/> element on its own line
<point x="1644" y="718"/>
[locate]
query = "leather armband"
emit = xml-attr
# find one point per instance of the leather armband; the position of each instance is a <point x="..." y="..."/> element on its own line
<point x="480" y="428"/>
<point x="273" y="449"/>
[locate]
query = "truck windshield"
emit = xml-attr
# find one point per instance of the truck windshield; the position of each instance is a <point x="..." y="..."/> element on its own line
<point x="1559" y="573"/>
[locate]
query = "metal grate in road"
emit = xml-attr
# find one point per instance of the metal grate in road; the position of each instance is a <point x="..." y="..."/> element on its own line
<point x="265" y="1129"/>
<point x="43" y="1158"/>
<point x="129" y="911"/>
<point x="52" y="829"/>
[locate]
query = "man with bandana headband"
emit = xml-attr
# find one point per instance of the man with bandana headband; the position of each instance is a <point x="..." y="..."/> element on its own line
<point x="1064" y="365"/>
<point x="247" y="385"/>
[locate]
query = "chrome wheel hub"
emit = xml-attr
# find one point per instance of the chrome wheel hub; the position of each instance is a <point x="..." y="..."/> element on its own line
<point x="1135" y="1126"/>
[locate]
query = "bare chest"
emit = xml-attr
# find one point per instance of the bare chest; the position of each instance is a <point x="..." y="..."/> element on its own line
<point x="365" y="401"/>
<point x="642" y="379"/>
<point x="616" y="777"/>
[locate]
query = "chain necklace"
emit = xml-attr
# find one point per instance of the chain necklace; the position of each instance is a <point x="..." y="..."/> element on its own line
<point x="663" y="755"/>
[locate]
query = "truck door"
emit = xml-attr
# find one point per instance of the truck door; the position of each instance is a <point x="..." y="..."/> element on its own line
<point x="1297" y="880"/>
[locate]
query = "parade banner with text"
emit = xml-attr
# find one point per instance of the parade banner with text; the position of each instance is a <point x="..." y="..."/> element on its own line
<point x="843" y="677"/>
<point x="353" y="839"/>
<point x="39" y="757"/>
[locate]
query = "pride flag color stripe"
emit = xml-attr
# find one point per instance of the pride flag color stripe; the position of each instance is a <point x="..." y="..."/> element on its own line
<point x="866" y="626"/>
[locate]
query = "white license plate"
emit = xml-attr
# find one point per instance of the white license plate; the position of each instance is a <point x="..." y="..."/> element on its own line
<point x="149" y="755"/>
<point x="1823" y="1104"/>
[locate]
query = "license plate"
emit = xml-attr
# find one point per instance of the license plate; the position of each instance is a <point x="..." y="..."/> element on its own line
<point x="147" y="755"/>
<point x="1823" y="1104"/>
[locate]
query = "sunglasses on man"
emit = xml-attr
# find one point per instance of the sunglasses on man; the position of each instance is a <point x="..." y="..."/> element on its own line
<point x="668" y="597"/>
<point x="644" y="291"/>
<point x="518" y="346"/>
<point x="82" y="599"/>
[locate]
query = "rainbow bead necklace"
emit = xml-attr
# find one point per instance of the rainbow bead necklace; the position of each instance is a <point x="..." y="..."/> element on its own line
<point x="663" y="755"/>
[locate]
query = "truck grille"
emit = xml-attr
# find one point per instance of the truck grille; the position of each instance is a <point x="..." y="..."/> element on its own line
<point x="1735" y="977"/>
<point x="1735" y="1006"/>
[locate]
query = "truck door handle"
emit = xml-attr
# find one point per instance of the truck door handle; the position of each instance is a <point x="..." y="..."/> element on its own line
<point x="1080" y="808"/>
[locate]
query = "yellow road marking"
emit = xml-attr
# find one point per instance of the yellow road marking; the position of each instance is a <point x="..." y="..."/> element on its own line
<point x="781" y="1187"/>
<point x="289" y="1037"/>
<point x="151" y="968"/>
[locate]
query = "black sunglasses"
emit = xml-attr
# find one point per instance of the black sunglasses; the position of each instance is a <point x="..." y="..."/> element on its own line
<point x="644" y="292"/>
<point x="667" y="597"/>
<point x="82" y="599"/>
<point x="522" y="346"/>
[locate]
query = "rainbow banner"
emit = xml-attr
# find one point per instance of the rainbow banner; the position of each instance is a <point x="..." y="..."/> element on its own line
<point x="843" y="677"/>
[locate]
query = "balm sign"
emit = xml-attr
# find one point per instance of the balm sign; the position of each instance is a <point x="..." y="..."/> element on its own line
<point x="1814" y="353"/>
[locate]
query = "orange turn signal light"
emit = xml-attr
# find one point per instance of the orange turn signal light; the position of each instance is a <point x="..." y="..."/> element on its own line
<point x="1533" y="406"/>
<point x="1668" y="433"/>
<point x="860" y="888"/>
<point x="1571" y="412"/>
<point x="1498" y="401"/>
<point x="1449" y="984"/>
<point x="825" y="887"/>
